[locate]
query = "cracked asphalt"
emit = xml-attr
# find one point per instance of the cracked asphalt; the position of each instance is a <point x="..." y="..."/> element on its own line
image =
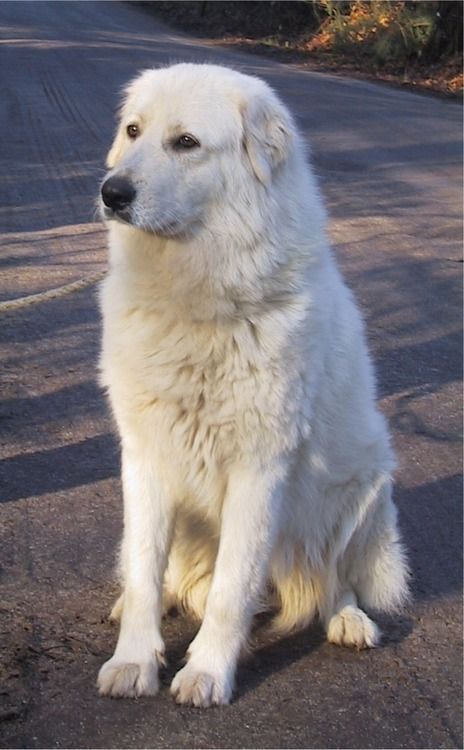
<point x="389" y="163"/>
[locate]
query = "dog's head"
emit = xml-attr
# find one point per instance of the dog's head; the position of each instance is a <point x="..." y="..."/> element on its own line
<point x="190" y="138"/>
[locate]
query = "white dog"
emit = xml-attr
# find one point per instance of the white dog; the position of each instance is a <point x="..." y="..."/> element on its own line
<point x="255" y="464"/>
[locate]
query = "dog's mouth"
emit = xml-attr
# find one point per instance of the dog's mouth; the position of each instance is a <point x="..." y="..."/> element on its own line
<point x="123" y="215"/>
<point x="168" y="229"/>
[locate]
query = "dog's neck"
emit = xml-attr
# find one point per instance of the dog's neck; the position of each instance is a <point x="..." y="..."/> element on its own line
<point x="228" y="269"/>
<point x="203" y="279"/>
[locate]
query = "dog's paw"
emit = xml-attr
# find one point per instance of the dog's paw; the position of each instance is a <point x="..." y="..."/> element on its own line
<point x="195" y="687"/>
<point x="352" y="627"/>
<point x="128" y="680"/>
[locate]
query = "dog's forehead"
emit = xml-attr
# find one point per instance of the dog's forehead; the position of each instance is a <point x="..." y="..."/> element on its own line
<point x="189" y="99"/>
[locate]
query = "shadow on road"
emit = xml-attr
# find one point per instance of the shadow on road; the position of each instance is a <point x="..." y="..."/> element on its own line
<point x="59" y="469"/>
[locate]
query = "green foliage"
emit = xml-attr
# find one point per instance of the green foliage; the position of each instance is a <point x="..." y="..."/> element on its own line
<point x="405" y="38"/>
<point x="391" y="32"/>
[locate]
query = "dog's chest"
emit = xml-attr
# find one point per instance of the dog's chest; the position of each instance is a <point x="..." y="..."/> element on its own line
<point x="205" y="393"/>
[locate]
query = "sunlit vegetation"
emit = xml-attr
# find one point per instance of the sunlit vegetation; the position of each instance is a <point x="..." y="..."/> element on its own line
<point x="409" y="41"/>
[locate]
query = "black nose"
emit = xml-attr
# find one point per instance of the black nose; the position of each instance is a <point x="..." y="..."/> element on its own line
<point x="117" y="193"/>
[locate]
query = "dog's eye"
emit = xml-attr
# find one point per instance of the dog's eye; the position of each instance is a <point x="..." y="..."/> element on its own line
<point x="186" y="141"/>
<point x="133" y="131"/>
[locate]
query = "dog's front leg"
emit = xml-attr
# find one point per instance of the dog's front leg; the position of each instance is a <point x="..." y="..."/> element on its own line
<point x="249" y="521"/>
<point x="133" y="669"/>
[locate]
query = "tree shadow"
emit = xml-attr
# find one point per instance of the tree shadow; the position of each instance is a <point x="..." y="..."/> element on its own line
<point x="58" y="469"/>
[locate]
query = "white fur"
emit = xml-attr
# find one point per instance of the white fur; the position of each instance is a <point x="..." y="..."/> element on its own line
<point x="255" y="461"/>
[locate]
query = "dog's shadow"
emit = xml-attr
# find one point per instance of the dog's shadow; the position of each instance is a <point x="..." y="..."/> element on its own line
<point x="270" y="654"/>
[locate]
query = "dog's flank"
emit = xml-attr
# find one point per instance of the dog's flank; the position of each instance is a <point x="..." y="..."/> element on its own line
<point x="254" y="458"/>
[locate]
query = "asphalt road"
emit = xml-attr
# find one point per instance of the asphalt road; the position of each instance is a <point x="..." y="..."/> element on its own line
<point x="389" y="164"/>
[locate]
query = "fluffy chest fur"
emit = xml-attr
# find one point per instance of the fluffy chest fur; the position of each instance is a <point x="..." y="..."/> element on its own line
<point x="201" y="394"/>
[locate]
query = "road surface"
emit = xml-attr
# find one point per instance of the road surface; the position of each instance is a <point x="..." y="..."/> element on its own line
<point x="389" y="164"/>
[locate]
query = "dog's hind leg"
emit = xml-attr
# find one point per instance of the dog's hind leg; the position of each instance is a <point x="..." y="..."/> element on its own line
<point x="371" y="572"/>
<point x="376" y="563"/>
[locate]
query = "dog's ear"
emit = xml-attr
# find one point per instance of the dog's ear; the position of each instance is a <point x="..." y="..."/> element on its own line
<point x="115" y="152"/>
<point x="267" y="134"/>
